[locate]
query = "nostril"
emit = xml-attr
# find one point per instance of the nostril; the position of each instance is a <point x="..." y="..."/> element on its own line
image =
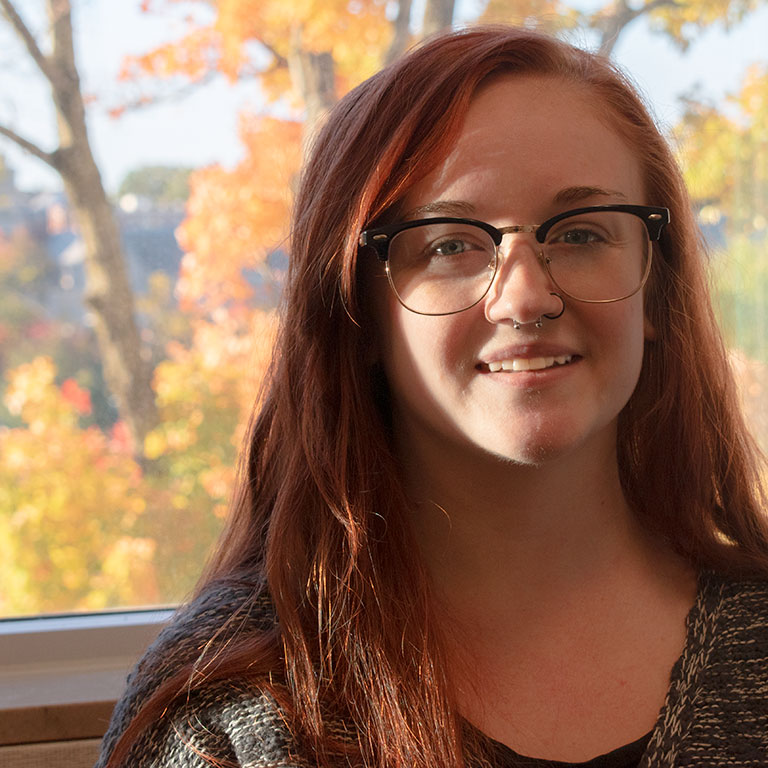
<point x="522" y="288"/>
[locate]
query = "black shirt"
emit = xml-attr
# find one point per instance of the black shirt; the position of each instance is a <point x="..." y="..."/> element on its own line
<point x="628" y="756"/>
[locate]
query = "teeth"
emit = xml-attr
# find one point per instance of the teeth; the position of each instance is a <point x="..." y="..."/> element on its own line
<point x="528" y="363"/>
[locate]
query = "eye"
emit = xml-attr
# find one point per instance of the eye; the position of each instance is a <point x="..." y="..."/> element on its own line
<point x="452" y="247"/>
<point x="455" y="243"/>
<point x="577" y="236"/>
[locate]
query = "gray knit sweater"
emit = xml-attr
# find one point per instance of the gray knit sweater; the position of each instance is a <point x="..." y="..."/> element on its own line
<point x="715" y="714"/>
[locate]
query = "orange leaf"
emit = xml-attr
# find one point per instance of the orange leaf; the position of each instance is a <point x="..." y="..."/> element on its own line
<point x="76" y="396"/>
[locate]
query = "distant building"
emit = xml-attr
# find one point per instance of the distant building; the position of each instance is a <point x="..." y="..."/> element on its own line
<point x="147" y="231"/>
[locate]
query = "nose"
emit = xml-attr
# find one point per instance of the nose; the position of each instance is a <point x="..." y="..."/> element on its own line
<point x="522" y="289"/>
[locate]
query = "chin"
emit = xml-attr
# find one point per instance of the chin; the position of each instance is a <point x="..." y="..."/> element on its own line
<point x="531" y="455"/>
<point x="542" y="444"/>
<point x="528" y="452"/>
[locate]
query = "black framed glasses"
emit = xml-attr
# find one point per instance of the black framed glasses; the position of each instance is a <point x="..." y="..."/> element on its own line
<point x="444" y="265"/>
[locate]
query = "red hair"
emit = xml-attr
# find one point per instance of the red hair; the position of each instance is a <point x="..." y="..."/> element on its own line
<point x="319" y="519"/>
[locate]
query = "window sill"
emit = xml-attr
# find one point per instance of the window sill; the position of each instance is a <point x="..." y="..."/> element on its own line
<point x="60" y="675"/>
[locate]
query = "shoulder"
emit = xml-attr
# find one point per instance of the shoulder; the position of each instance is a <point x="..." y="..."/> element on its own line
<point x="226" y="720"/>
<point x="737" y="664"/>
<point x="718" y="709"/>
<point x="229" y="723"/>
<point x="716" y="712"/>
<point x="737" y="612"/>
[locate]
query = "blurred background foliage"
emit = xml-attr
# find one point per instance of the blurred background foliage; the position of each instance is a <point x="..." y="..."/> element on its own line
<point x="104" y="505"/>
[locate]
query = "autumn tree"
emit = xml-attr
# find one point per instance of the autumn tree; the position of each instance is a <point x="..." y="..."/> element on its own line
<point x="724" y="152"/>
<point x="58" y="547"/>
<point x="681" y="21"/>
<point x="302" y="56"/>
<point x="108" y="293"/>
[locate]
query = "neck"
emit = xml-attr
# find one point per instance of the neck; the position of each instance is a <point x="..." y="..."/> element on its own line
<point x="547" y="594"/>
<point x="490" y="527"/>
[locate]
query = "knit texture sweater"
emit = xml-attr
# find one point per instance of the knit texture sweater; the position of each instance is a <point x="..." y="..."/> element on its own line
<point x="715" y="713"/>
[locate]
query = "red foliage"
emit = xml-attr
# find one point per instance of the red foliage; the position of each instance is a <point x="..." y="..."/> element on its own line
<point x="76" y="396"/>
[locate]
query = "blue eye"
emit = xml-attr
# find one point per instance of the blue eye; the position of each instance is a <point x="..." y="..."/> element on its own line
<point x="451" y="247"/>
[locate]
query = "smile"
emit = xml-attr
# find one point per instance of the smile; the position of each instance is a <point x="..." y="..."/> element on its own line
<point x="526" y="363"/>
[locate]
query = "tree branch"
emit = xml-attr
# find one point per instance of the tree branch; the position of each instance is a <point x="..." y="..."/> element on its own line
<point x="26" y="37"/>
<point x="280" y="61"/>
<point x="29" y="146"/>
<point x="652" y="5"/>
<point x="150" y="100"/>
<point x="612" y="25"/>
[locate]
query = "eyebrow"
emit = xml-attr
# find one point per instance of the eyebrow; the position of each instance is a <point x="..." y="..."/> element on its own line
<point x="462" y="208"/>
<point x="576" y="194"/>
<point x="443" y="207"/>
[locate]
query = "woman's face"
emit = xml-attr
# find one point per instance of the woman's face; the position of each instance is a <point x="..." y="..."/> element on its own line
<point x="530" y="148"/>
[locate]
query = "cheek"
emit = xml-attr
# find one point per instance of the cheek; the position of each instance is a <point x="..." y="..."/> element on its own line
<point x="422" y="356"/>
<point x="625" y="333"/>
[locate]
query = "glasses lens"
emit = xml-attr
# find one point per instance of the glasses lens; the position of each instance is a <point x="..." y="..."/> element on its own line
<point x="598" y="256"/>
<point x="437" y="269"/>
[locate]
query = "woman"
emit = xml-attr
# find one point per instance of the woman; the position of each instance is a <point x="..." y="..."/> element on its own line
<point x="499" y="506"/>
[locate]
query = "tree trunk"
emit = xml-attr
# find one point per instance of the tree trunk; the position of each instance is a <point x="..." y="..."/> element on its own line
<point x="438" y="16"/>
<point x="108" y="291"/>
<point x="400" y="32"/>
<point x="313" y="77"/>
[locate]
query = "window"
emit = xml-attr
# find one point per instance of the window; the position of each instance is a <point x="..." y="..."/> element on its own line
<point x="111" y="501"/>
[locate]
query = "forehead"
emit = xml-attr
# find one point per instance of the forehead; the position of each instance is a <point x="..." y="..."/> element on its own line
<point x="523" y="140"/>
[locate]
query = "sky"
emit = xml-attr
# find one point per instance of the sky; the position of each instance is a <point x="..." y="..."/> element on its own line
<point x="202" y="128"/>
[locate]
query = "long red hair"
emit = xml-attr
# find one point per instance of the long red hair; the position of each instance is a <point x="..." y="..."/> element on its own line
<point x="319" y="518"/>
